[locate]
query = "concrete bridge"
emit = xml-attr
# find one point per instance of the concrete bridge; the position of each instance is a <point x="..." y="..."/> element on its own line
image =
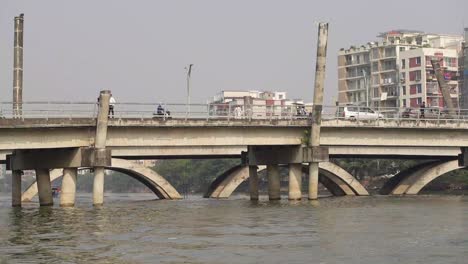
<point x="48" y="144"/>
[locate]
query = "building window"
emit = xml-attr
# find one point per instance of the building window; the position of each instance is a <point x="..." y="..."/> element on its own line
<point x="450" y="62"/>
<point x="403" y="63"/>
<point x="404" y="102"/>
<point x="415" y="76"/>
<point x="375" y="53"/>
<point x="403" y="89"/>
<point x="402" y="48"/>
<point x="419" y="101"/>
<point x="415" y="89"/>
<point x="415" y="62"/>
<point x="376" y="92"/>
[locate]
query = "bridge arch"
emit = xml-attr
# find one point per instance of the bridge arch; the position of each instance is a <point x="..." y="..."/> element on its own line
<point x="416" y="181"/>
<point x="391" y="185"/>
<point x="155" y="182"/>
<point x="336" y="179"/>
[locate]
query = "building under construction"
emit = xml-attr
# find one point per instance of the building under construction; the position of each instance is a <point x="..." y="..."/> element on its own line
<point x="464" y="70"/>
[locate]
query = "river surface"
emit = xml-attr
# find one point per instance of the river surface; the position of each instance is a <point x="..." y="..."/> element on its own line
<point x="133" y="228"/>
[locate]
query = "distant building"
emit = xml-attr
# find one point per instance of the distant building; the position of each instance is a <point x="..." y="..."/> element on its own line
<point x="418" y="81"/>
<point x="253" y="104"/>
<point x="463" y="64"/>
<point x="376" y="74"/>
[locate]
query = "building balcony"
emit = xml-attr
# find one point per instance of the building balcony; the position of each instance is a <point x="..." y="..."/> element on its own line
<point x="353" y="63"/>
<point x="355" y="90"/>
<point x="351" y="77"/>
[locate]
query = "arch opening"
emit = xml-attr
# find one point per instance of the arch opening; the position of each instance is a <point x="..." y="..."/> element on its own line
<point x="155" y="182"/>
<point x="335" y="179"/>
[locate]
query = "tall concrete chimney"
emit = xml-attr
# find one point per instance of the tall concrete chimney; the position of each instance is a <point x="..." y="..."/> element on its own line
<point x="18" y="67"/>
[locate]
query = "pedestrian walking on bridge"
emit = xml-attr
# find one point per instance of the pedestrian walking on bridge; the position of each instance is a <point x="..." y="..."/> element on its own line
<point x="111" y="106"/>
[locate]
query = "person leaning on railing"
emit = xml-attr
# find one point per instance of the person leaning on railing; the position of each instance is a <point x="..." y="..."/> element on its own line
<point x="422" y="109"/>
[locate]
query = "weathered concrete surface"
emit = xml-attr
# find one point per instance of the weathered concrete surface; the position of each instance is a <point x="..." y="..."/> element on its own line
<point x="394" y="181"/>
<point x="253" y="183"/>
<point x="68" y="191"/>
<point x="44" y="187"/>
<point x="16" y="188"/>
<point x="30" y="159"/>
<point x="314" y="135"/>
<point x="412" y="177"/>
<point x="346" y="177"/>
<point x="100" y="144"/>
<point x="161" y="187"/>
<point x="155" y="140"/>
<point x="345" y="183"/>
<point x="422" y="179"/>
<point x="18" y="66"/>
<point x="334" y="184"/>
<point x="274" y="182"/>
<point x="31" y="191"/>
<point x="295" y="181"/>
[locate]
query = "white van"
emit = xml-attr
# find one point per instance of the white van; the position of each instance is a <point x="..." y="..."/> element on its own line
<point x="358" y="113"/>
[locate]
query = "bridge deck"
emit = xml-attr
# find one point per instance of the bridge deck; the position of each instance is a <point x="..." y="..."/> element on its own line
<point x="223" y="122"/>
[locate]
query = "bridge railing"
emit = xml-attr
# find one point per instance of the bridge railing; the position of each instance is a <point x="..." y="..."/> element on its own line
<point x="228" y="111"/>
<point x="46" y="110"/>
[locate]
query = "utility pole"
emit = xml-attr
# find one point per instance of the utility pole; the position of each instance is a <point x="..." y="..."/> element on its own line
<point x="189" y="72"/>
<point x="367" y="87"/>
<point x="18" y="67"/>
<point x="317" y="109"/>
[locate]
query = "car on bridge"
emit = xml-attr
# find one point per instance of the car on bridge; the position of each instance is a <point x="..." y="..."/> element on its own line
<point x="353" y="112"/>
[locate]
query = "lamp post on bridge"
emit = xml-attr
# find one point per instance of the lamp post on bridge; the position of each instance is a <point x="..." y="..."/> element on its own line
<point x="189" y="72"/>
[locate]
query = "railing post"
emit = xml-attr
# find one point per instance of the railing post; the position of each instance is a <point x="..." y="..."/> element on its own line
<point x="229" y="112"/>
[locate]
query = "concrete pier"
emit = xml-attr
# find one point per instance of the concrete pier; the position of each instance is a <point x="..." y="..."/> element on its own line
<point x="18" y="67"/>
<point x="313" y="180"/>
<point x="295" y="181"/>
<point x="98" y="186"/>
<point x="314" y="141"/>
<point x="16" y="188"/>
<point x="273" y="182"/>
<point x="253" y="183"/>
<point x="67" y="196"/>
<point x="44" y="187"/>
<point x="100" y="144"/>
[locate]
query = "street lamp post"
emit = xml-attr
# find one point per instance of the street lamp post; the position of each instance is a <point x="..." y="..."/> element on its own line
<point x="189" y="72"/>
<point x="367" y="87"/>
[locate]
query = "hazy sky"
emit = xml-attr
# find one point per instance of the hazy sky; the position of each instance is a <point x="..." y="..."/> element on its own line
<point x="138" y="49"/>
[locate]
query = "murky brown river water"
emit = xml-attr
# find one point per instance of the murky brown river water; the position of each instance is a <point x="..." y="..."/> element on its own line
<point x="132" y="228"/>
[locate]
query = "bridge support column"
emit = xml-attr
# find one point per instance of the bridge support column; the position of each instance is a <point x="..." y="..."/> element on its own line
<point x="67" y="196"/>
<point x="44" y="188"/>
<point x="16" y="188"/>
<point x="316" y="118"/>
<point x="100" y="144"/>
<point x="295" y="181"/>
<point x="253" y="183"/>
<point x="98" y="186"/>
<point x="273" y="182"/>
<point x="313" y="180"/>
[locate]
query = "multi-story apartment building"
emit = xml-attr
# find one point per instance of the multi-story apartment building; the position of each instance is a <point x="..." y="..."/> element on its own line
<point x="375" y="81"/>
<point x="354" y="75"/>
<point x="418" y="81"/>
<point x="463" y="64"/>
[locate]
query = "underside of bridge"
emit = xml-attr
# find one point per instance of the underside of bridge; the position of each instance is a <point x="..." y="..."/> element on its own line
<point x="335" y="179"/>
<point x="155" y="182"/>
